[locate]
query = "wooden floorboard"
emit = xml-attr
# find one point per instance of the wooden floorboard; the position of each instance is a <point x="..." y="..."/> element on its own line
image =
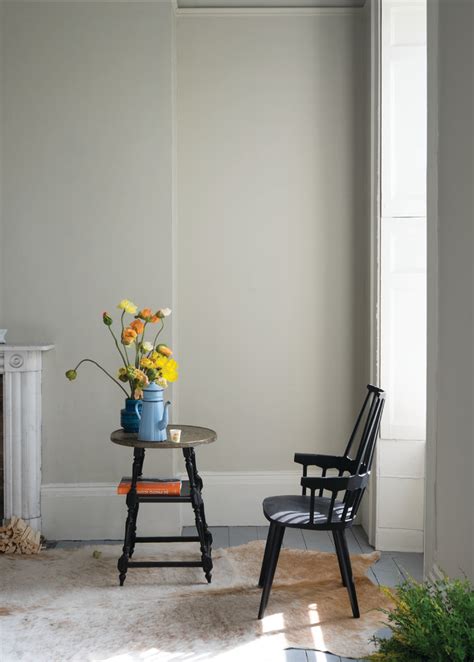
<point x="364" y="548"/>
<point x="352" y="543"/>
<point x="318" y="540"/>
<point x="262" y="532"/>
<point x="295" y="655"/>
<point x="386" y="571"/>
<point x="361" y="537"/>
<point x="409" y="564"/>
<point x="318" y="656"/>
<point x="239" y="535"/>
<point x="294" y="539"/>
<point x="220" y="536"/>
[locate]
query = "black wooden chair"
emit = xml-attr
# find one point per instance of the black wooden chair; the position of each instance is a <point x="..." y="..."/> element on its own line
<point x="326" y="513"/>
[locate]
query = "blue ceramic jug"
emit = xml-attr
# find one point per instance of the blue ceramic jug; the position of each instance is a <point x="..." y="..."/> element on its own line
<point x="128" y="416"/>
<point x="154" y="414"/>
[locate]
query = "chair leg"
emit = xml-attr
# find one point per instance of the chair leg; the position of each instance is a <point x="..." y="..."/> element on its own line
<point x="266" y="555"/>
<point x="348" y="572"/>
<point x="339" y="552"/>
<point x="272" y="564"/>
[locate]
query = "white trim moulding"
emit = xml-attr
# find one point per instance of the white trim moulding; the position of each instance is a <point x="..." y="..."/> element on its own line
<point x="191" y="12"/>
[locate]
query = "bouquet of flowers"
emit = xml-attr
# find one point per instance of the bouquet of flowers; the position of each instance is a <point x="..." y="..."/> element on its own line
<point x="143" y="361"/>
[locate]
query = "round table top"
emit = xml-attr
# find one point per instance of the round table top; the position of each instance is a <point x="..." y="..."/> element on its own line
<point x="191" y="435"/>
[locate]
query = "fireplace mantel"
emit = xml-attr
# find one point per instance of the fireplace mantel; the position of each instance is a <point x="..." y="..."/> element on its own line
<point x="21" y="366"/>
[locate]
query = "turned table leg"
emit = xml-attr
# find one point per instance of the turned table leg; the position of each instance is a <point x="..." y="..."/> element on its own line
<point x="200" y="484"/>
<point x="131" y="522"/>
<point x="195" y="485"/>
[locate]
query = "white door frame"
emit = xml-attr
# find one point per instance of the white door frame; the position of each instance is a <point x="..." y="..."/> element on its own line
<point x="432" y="275"/>
<point x="393" y="530"/>
<point x="374" y="7"/>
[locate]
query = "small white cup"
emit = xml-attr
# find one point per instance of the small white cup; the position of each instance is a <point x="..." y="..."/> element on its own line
<point x="175" y="435"/>
<point x="3" y="334"/>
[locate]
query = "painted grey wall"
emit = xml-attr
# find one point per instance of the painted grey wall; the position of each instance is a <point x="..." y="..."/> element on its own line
<point x="2" y="278"/>
<point x="450" y="483"/>
<point x="87" y="182"/>
<point x="273" y="232"/>
<point x="272" y="247"/>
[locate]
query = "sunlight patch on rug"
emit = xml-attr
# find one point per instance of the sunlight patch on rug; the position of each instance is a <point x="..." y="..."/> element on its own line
<point x="66" y="605"/>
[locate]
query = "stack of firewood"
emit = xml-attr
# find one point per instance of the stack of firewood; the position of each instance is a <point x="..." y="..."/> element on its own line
<point x="16" y="537"/>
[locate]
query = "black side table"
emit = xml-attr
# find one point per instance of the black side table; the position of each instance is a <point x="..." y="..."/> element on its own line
<point x="191" y="489"/>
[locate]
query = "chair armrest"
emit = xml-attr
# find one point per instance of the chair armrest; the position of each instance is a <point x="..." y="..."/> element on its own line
<point x="335" y="483"/>
<point x="324" y="461"/>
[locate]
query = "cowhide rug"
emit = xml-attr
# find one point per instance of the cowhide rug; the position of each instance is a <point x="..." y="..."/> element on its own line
<point x="67" y="605"/>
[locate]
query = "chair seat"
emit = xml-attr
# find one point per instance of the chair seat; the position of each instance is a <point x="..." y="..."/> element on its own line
<point x="293" y="510"/>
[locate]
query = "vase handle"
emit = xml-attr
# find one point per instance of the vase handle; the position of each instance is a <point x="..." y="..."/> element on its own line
<point x="137" y="412"/>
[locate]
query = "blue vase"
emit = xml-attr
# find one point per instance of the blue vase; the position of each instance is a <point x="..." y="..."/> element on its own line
<point x="129" y="419"/>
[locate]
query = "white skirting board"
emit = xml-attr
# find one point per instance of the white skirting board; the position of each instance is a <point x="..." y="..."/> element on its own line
<point x="94" y="511"/>
<point x="399" y="540"/>
<point x="235" y="498"/>
<point x="90" y="511"/>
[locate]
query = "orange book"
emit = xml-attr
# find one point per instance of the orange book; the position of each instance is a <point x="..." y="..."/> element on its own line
<point x="164" y="486"/>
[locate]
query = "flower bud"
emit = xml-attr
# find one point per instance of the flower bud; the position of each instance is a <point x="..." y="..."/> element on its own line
<point x="163" y="312"/>
<point x="71" y="375"/>
<point x="122" y="375"/>
<point x="107" y="320"/>
<point x="165" y="350"/>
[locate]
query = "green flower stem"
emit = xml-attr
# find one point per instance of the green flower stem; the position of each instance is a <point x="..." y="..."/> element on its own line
<point x="103" y="370"/>
<point x="118" y="347"/>
<point x="156" y="337"/>
<point x="137" y="359"/>
<point x="124" y="347"/>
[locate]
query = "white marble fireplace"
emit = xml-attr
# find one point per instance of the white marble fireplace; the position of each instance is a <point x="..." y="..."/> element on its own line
<point x="21" y="366"/>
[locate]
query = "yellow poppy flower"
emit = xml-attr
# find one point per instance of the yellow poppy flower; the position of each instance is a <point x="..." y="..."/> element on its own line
<point x="127" y="306"/>
<point x="170" y="370"/>
<point x="159" y="360"/>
